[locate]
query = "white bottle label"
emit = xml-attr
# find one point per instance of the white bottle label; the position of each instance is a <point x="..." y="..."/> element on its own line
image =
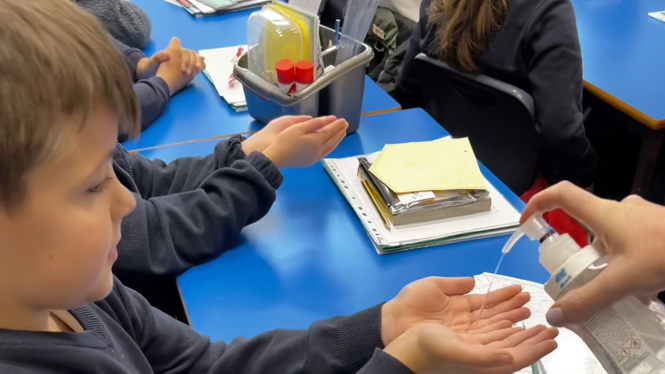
<point x="612" y="339"/>
<point x="618" y="339"/>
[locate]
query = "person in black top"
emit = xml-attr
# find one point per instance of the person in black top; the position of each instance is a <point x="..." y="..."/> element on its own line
<point x="531" y="44"/>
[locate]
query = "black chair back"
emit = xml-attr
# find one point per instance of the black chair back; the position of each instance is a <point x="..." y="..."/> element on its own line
<point x="498" y="119"/>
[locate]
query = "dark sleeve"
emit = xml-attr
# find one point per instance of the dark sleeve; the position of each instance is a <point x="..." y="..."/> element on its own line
<point x="192" y="209"/>
<point x="153" y="93"/>
<point x="338" y="345"/>
<point x="124" y="20"/>
<point x="409" y="93"/>
<point x="555" y="74"/>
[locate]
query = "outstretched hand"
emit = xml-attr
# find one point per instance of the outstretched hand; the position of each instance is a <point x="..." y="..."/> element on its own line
<point x="267" y="135"/>
<point x="305" y="143"/>
<point x="432" y="348"/>
<point x="433" y="326"/>
<point x="445" y="301"/>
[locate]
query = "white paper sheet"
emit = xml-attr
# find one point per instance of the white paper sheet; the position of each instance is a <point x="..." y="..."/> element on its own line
<point x="572" y="356"/>
<point x="310" y="6"/>
<point x="219" y="67"/>
<point x="658" y="15"/>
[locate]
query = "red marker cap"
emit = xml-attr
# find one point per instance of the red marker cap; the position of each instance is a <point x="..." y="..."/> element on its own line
<point x="285" y="71"/>
<point x="304" y="72"/>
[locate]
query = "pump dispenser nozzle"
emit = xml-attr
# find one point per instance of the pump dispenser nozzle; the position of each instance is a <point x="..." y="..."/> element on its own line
<point x="554" y="249"/>
<point x="535" y="228"/>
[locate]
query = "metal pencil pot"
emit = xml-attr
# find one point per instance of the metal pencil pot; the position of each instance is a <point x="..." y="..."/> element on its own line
<point x="338" y="92"/>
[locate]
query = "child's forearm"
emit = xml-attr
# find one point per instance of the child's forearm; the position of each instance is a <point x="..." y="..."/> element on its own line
<point x="132" y="56"/>
<point x="189" y="211"/>
<point x="153" y="96"/>
<point x="337" y="345"/>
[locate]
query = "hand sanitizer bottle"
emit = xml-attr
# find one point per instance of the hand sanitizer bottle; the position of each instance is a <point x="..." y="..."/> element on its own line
<point x="626" y="338"/>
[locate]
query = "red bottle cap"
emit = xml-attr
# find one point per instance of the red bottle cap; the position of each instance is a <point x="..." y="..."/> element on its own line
<point x="304" y="72"/>
<point x="285" y="71"/>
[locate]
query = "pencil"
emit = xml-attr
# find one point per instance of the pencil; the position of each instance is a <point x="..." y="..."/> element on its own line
<point x="336" y="31"/>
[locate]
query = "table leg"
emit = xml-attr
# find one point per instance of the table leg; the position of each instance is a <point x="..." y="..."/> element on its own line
<point x="646" y="164"/>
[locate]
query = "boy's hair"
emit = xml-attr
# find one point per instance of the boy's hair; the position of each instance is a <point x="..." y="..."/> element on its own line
<point x="465" y="28"/>
<point x="55" y="61"/>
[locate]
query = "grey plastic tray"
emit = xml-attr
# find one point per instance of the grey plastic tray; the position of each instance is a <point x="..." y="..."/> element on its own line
<point x="338" y="92"/>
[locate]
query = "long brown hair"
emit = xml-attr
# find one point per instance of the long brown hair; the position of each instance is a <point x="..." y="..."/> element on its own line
<point x="465" y="28"/>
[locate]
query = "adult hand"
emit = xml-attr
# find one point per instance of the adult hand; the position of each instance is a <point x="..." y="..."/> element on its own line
<point x="181" y="67"/>
<point x="432" y="348"/>
<point x="632" y="234"/>
<point x="266" y="136"/>
<point x="444" y="301"/>
<point x="306" y="143"/>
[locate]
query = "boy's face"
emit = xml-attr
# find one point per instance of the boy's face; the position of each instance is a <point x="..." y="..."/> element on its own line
<point x="58" y="245"/>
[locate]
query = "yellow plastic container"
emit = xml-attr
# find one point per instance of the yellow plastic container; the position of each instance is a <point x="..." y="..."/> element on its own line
<point x="302" y="22"/>
<point x="272" y="36"/>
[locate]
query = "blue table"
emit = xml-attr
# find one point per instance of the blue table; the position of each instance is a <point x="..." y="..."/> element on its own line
<point x="623" y="65"/>
<point x="310" y="258"/>
<point x="198" y="112"/>
<point x="623" y="54"/>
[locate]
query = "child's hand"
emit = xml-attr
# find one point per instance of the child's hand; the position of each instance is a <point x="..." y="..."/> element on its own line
<point x="306" y="143"/>
<point x="264" y="138"/>
<point x="192" y="63"/>
<point x="181" y="68"/>
<point x="431" y="348"/>
<point x="433" y="326"/>
<point x="147" y="66"/>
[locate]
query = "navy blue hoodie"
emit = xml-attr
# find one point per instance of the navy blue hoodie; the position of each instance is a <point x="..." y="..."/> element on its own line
<point x="192" y="209"/>
<point x="124" y="335"/>
<point x="152" y="94"/>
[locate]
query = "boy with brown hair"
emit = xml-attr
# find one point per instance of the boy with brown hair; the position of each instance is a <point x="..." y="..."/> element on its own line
<point x="63" y="96"/>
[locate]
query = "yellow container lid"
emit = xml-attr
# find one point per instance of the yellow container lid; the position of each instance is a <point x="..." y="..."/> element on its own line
<point x="272" y="36"/>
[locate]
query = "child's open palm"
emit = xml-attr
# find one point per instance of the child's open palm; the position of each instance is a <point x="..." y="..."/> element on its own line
<point x="306" y="143"/>
<point x="445" y="301"/>
<point x="432" y="348"/>
<point x="432" y="326"/>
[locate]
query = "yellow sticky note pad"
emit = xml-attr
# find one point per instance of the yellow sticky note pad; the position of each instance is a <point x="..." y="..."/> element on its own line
<point x="429" y="166"/>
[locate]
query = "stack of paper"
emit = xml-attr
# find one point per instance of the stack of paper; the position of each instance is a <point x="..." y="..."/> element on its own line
<point x="442" y="165"/>
<point x="572" y="356"/>
<point x="219" y="69"/>
<point x="199" y="8"/>
<point x="309" y="6"/>
<point x="416" y="183"/>
<point x="501" y="219"/>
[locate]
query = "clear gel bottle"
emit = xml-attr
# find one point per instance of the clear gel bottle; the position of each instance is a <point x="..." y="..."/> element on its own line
<point x="626" y="338"/>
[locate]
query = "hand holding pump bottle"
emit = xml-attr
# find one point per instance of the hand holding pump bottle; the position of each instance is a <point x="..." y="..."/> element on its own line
<point x="626" y="338"/>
